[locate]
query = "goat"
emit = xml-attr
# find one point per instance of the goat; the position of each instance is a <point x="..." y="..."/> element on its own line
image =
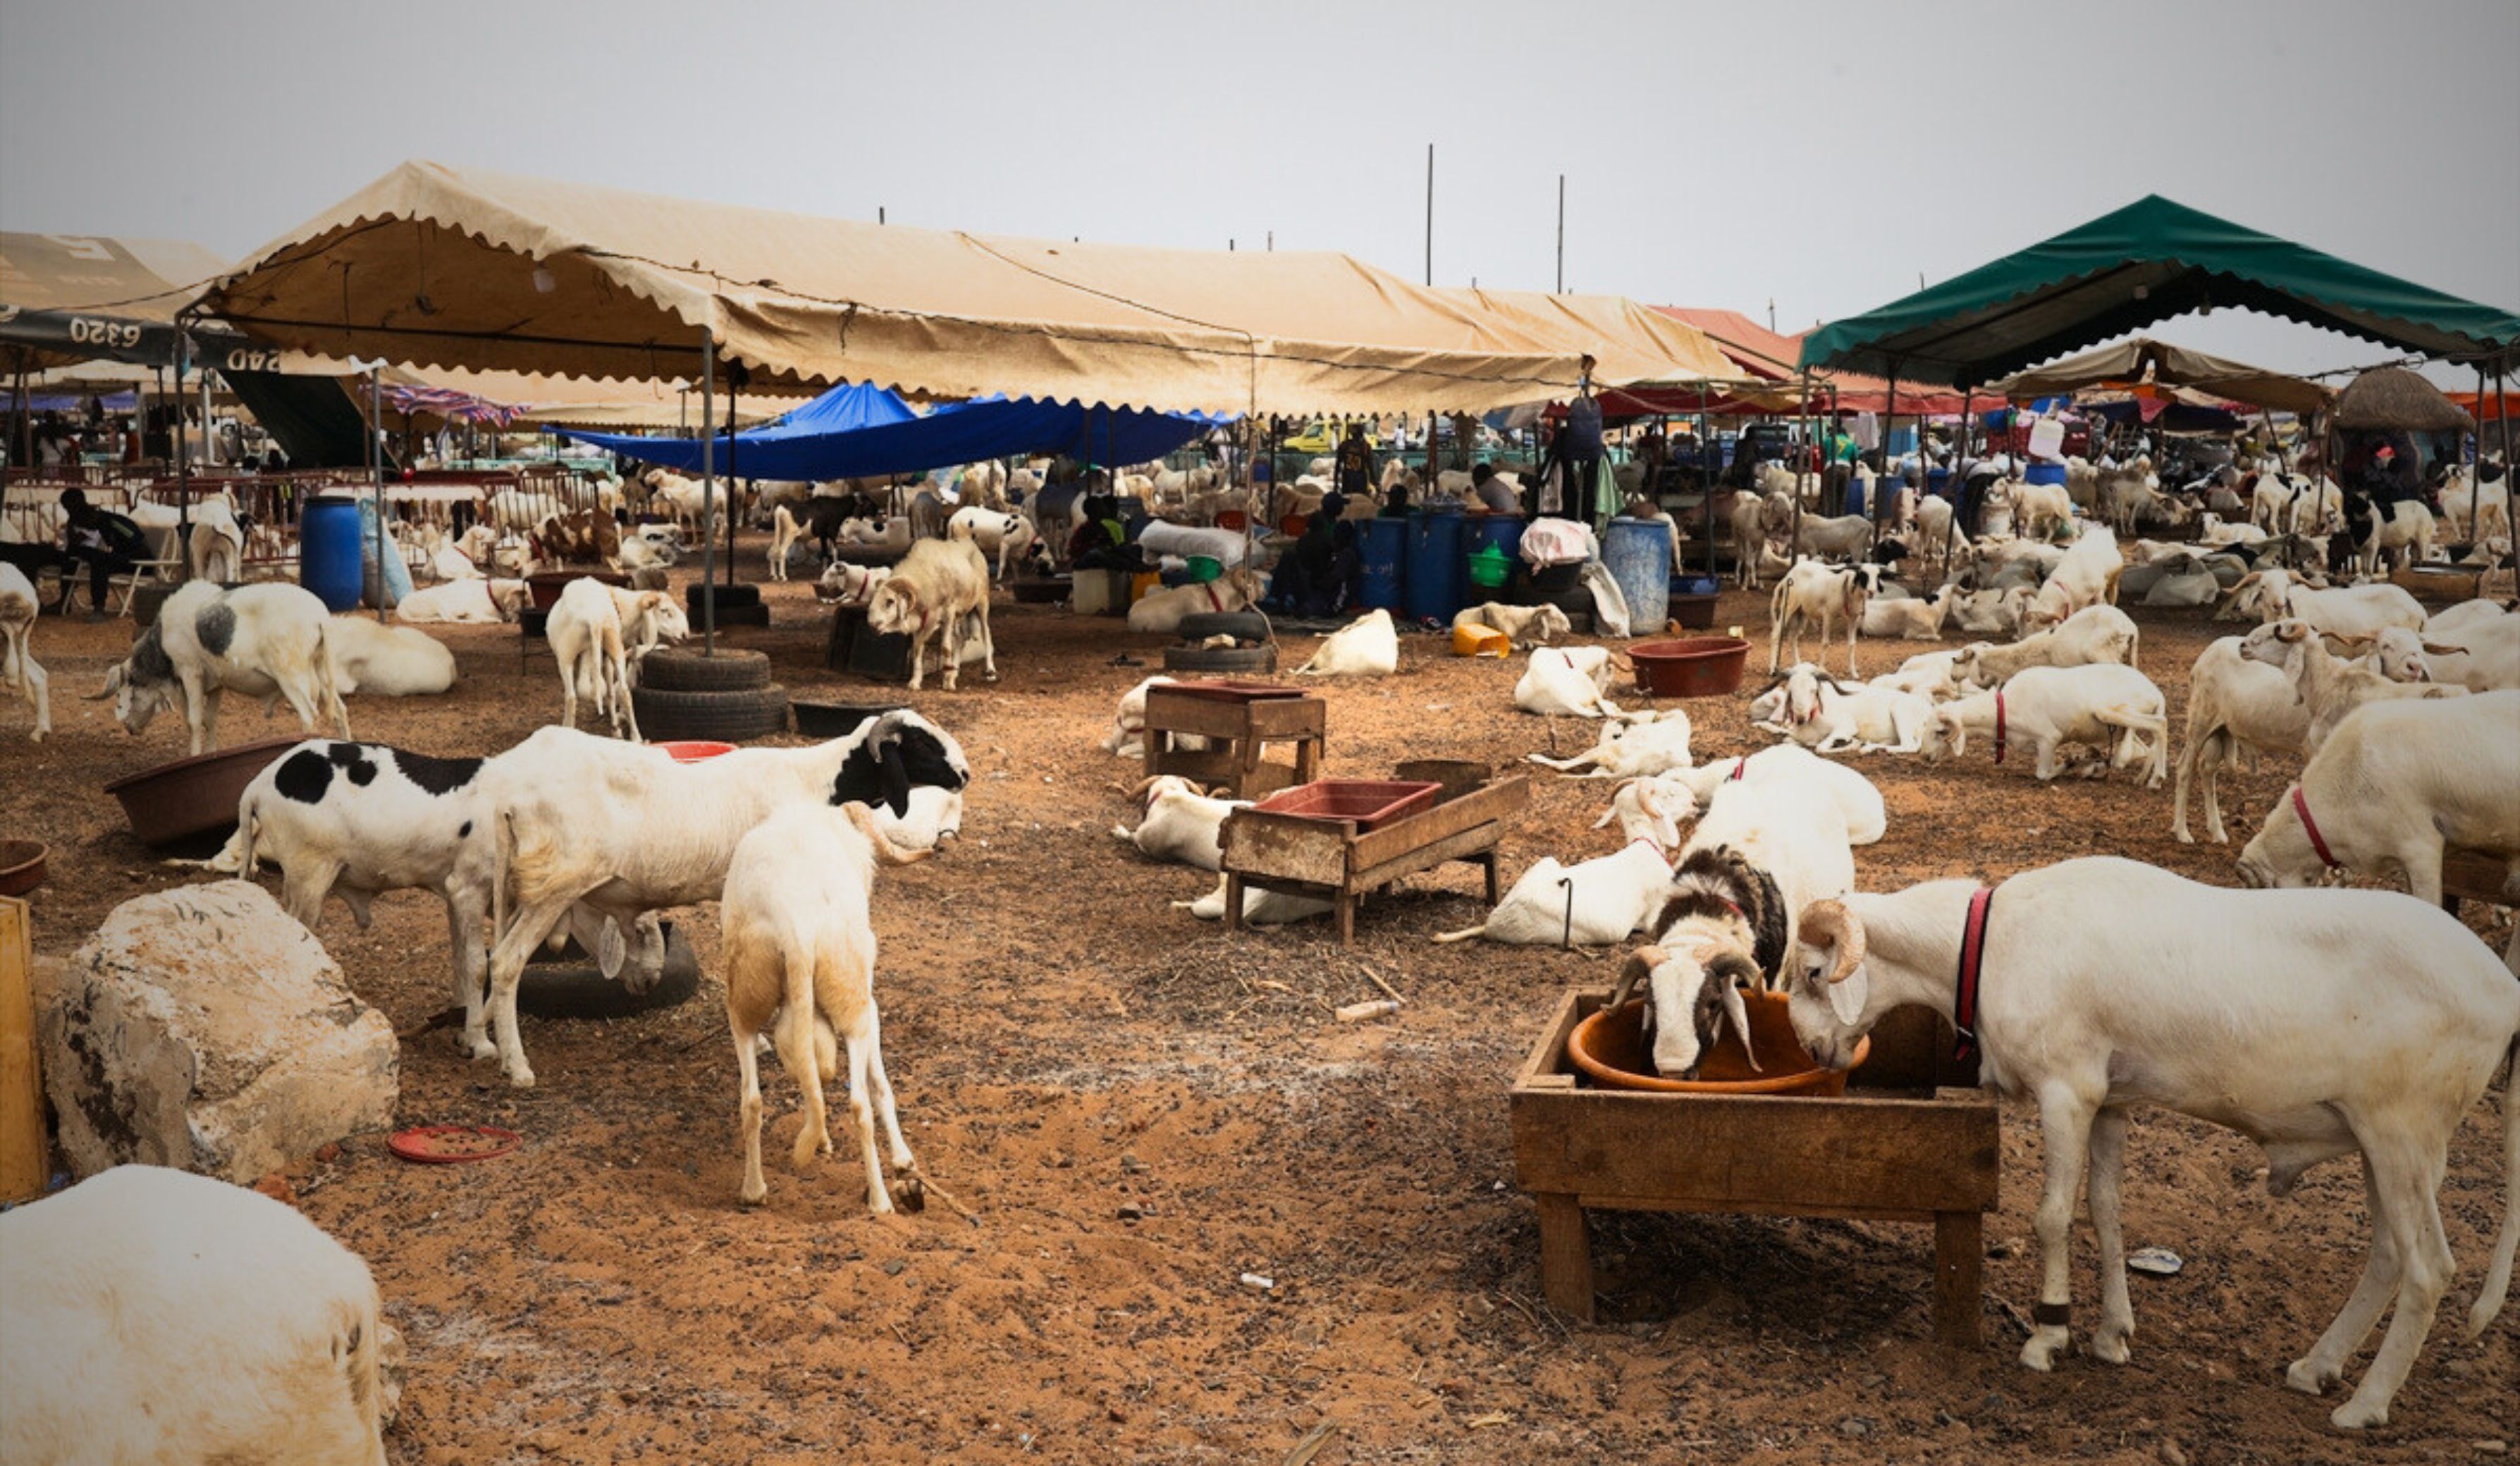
<point x="1828" y="716"/>
<point x="2327" y="686"/>
<point x="2315" y="1024"/>
<point x="937" y="585"/>
<point x="387" y="661"/>
<point x="2098" y="703"/>
<point x="1011" y="538"/>
<point x="262" y="640"/>
<point x="1523" y="625"/>
<point x="1183" y="823"/>
<point x="1634" y="746"/>
<point x="1366" y="646"/>
<point x="1728" y="921"/>
<point x="157" y="1315"/>
<point x="800" y="954"/>
<point x="1566" y="681"/>
<point x="628" y="829"/>
<point x="1813" y="592"/>
<point x="19" y="671"/>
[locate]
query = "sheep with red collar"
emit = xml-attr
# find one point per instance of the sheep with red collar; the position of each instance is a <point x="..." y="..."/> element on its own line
<point x="2318" y="1024"/>
<point x="2395" y="784"/>
<point x="2101" y="704"/>
<point x="1161" y="612"/>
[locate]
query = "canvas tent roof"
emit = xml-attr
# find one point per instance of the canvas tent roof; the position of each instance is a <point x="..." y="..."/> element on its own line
<point x="2148" y="261"/>
<point x="440" y="267"/>
<point x="1765" y="353"/>
<point x="71" y="299"/>
<point x="2143" y="359"/>
<point x="563" y="401"/>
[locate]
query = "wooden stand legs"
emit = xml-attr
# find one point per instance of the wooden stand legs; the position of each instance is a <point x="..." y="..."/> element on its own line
<point x="1565" y="1257"/>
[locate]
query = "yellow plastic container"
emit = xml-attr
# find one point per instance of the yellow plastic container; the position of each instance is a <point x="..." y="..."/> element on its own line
<point x="1138" y="586"/>
<point x="1480" y="640"/>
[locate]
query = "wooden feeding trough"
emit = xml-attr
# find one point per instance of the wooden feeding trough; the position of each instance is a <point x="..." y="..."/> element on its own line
<point x="1237" y="720"/>
<point x="1902" y="1144"/>
<point x="1339" y="860"/>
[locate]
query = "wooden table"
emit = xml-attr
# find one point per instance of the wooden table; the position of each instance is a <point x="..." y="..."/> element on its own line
<point x="1236" y="731"/>
<point x="1904" y="1144"/>
<point x="1331" y="860"/>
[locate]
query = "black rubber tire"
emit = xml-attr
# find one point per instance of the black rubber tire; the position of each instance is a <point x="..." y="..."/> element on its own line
<point x="682" y="668"/>
<point x="1263" y="658"/>
<point x="735" y="616"/>
<point x="1241" y="626"/>
<point x="727" y="717"/>
<point x="1554" y="578"/>
<point x="575" y="987"/>
<point x="532" y="623"/>
<point x="1574" y="600"/>
<point x="726" y="596"/>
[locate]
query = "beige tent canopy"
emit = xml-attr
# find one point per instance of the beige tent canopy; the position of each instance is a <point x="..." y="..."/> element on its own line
<point x="567" y="402"/>
<point x="1631" y="344"/>
<point x="71" y="299"/>
<point x="2143" y="359"/>
<point x="438" y="267"/>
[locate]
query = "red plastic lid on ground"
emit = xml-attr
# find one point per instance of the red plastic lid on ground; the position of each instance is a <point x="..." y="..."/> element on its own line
<point x="452" y="1144"/>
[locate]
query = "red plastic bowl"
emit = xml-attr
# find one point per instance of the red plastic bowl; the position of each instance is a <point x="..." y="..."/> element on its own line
<point x="452" y="1144"/>
<point x="1368" y="801"/>
<point x="1695" y="667"/>
<point x="692" y="750"/>
<point x="1611" y="1050"/>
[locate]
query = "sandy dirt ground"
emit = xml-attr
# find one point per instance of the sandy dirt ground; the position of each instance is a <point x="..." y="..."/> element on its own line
<point x="1142" y="1109"/>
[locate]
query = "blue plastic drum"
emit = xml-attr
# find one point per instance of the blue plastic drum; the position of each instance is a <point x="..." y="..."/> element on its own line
<point x="1384" y="549"/>
<point x="1637" y="554"/>
<point x="329" y="561"/>
<point x="1436" y="570"/>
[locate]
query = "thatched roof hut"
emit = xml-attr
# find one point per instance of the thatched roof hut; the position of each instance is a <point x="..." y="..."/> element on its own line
<point x="2394" y="399"/>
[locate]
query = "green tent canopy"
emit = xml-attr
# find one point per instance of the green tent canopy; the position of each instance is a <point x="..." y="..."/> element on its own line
<point x="2146" y="262"/>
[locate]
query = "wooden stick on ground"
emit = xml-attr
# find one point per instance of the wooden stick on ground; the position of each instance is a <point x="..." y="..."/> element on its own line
<point x="1310" y="1445"/>
<point x="925" y="1183"/>
<point x="1376" y="979"/>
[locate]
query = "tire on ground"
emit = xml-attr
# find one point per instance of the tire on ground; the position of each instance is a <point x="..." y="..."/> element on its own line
<point x="725" y="594"/>
<point x="682" y="668"/>
<point x="576" y="987"/>
<point x="1224" y="659"/>
<point x="728" y="717"/>
<point x="1243" y="626"/>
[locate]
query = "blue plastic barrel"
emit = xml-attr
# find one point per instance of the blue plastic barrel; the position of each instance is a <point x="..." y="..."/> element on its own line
<point x="1637" y="554"/>
<point x="1436" y="569"/>
<point x="2043" y="473"/>
<point x="1938" y="482"/>
<point x="1504" y="531"/>
<point x="329" y="562"/>
<point x="1854" y="497"/>
<point x="1384" y="550"/>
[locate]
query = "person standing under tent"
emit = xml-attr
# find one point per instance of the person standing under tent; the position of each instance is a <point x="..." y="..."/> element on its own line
<point x="1352" y="469"/>
<point x="1579" y="447"/>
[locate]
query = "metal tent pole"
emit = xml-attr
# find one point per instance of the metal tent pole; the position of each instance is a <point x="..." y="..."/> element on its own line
<point x="2476" y="459"/>
<point x="1958" y="485"/>
<point x="1794" y="546"/>
<point x="708" y="491"/>
<point x="183" y="465"/>
<point x="375" y="405"/>
<point x="2503" y="413"/>
<point x="735" y="380"/>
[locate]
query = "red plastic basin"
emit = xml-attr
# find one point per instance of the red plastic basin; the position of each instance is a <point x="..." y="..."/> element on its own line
<point x="1367" y="802"/>
<point x="692" y="750"/>
<point x="1695" y="667"/>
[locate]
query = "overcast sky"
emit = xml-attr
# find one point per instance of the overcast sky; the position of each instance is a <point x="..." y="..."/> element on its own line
<point x="1822" y="156"/>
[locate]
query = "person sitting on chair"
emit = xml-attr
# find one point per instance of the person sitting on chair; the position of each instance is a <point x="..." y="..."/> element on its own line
<point x="1317" y="576"/>
<point x="108" y="543"/>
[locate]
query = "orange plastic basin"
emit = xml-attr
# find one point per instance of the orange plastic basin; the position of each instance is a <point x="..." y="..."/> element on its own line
<point x="1611" y="1050"/>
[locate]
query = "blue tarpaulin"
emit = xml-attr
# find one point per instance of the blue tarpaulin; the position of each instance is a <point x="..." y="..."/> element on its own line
<point x="865" y="431"/>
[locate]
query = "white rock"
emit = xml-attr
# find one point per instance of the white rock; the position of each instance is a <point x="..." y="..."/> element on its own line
<point x="203" y="1028"/>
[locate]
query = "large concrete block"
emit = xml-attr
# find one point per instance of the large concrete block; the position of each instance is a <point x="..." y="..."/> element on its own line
<point x="204" y="1028"/>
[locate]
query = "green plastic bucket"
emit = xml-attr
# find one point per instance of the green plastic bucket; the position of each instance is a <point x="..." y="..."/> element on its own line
<point x="1489" y="567"/>
<point x="1203" y="568"/>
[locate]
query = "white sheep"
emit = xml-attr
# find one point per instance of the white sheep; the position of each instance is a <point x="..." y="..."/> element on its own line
<point x="2483" y="656"/>
<point x="2232" y="704"/>
<point x="2327" y="686"/>
<point x="157" y="1315"/>
<point x="1006" y="536"/>
<point x="2094" y="634"/>
<point x="19" y="671"/>
<point x="2101" y="704"/>
<point x="2395" y="784"/>
<point x="1523" y="625"/>
<point x="1127" y="735"/>
<point x="387" y="661"/>
<point x="1631" y="745"/>
<point x="2318" y="1024"/>
<point x="586" y="641"/>
<point x="1183" y="823"/>
<point x="1592" y="903"/>
<point x="1809" y="593"/>
<point x="2344" y="611"/>
<point x="1906" y="616"/>
<point x="1828" y="716"/>
<point x="1566" y="681"/>
<point x="2086" y="577"/>
<point x="1366" y="646"/>
<point x="474" y="601"/>
<point x="937" y="586"/>
<point x="1160" y="611"/>
<point x="801" y="954"/>
<point x="260" y="641"/>
<point x="1857" y="802"/>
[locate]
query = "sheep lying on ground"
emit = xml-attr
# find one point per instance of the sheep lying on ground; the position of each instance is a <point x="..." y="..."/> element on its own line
<point x="157" y="1315"/>
<point x="1630" y="746"/>
<point x="465" y="602"/>
<point x="1366" y="646"/>
<point x="1182" y="823"/>
<point x="1828" y="716"/>
<point x="1523" y="625"/>
<point x="1857" y="802"/>
<point x="387" y="661"/>
<point x="1592" y="903"/>
<point x="1566" y="681"/>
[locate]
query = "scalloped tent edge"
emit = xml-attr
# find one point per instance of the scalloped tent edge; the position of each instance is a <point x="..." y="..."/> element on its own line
<point x="436" y="267"/>
<point x="2148" y="261"/>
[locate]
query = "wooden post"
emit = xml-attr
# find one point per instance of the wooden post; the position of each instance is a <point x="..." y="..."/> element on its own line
<point x="1794" y="546"/>
<point x="22" y="1089"/>
<point x="2502" y="413"/>
<point x="1959" y="1252"/>
<point x="1565" y="1257"/>
<point x="2476" y="460"/>
<point x="1889" y="417"/>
